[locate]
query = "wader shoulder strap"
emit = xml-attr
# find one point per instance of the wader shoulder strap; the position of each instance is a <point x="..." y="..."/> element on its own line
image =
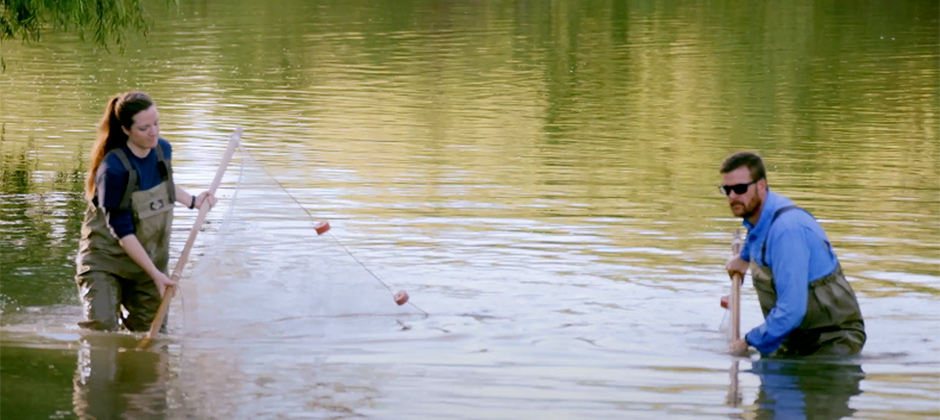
<point x="782" y="210"/>
<point x="131" y="178"/>
<point x="166" y="171"/>
<point x="763" y="250"/>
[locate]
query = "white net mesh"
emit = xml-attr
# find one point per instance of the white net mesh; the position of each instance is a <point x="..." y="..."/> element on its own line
<point x="725" y="326"/>
<point x="267" y="273"/>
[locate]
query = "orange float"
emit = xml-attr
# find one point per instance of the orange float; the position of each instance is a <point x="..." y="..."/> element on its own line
<point x="401" y="297"/>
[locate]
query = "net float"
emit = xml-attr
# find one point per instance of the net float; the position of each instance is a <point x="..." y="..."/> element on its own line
<point x="401" y="297"/>
<point x="322" y="227"/>
<point x="724" y="301"/>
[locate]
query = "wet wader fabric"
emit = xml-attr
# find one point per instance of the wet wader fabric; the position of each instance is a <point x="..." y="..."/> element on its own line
<point x="833" y="324"/>
<point x="107" y="277"/>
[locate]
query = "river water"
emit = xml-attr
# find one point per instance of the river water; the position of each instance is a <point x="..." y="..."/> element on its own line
<point x="539" y="176"/>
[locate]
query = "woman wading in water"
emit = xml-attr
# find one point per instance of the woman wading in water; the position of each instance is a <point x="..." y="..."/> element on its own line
<point x="125" y="243"/>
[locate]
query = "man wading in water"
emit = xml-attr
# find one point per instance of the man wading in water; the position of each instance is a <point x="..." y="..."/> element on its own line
<point x="809" y="308"/>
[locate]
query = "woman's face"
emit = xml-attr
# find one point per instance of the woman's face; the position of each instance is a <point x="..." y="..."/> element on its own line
<point x="145" y="130"/>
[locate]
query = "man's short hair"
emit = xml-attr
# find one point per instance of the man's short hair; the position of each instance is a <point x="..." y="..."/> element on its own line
<point x="753" y="161"/>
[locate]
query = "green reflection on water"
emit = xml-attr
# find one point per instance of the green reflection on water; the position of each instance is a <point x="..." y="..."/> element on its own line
<point x="545" y="111"/>
<point x="606" y="119"/>
<point x="45" y="208"/>
<point x="36" y="382"/>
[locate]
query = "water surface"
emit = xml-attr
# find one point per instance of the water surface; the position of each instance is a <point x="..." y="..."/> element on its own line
<point x="539" y="176"/>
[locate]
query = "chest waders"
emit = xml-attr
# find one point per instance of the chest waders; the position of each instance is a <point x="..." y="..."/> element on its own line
<point x="833" y="324"/>
<point x="107" y="277"/>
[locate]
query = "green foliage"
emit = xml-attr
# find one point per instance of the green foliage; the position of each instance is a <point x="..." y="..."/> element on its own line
<point x="106" y="20"/>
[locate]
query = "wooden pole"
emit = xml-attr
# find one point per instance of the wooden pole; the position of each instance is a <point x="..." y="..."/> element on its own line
<point x="184" y="257"/>
<point x="734" y="395"/>
<point x="736" y="281"/>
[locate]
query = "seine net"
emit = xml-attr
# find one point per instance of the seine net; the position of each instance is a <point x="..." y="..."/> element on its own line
<point x="266" y="272"/>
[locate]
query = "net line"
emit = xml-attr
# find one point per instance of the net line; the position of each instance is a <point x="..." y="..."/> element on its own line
<point x="267" y="270"/>
<point x="329" y="233"/>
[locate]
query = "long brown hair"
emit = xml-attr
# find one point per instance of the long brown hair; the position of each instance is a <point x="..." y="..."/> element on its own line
<point x="118" y="114"/>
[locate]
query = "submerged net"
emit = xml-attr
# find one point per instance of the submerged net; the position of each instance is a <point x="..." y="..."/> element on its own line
<point x="267" y="273"/>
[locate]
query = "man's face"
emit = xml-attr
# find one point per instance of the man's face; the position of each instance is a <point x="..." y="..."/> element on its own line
<point x="747" y="203"/>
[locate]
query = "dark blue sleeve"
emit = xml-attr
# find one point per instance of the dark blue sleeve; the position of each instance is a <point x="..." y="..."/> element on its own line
<point x="111" y="181"/>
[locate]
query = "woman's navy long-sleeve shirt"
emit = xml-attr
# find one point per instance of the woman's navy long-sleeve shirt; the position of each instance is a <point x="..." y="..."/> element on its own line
<point x="111" y="181"/>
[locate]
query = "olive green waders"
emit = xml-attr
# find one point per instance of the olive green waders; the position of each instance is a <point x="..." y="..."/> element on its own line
<point x="107" y="278"/>
<point x="833" y="324"/>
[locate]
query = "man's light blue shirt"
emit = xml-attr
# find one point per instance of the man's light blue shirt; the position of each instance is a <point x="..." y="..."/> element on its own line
<point x="798" y="252"/>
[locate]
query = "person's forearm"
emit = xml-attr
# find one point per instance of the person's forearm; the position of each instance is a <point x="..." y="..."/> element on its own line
<point x="135" y="250"/>
<point x="184" y="197"/>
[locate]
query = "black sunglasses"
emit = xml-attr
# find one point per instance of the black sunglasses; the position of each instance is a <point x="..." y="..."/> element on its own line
<point x="738" y="189"/>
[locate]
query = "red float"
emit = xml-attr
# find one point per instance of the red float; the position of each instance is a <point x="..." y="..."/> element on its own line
<point x="401" y="297"/>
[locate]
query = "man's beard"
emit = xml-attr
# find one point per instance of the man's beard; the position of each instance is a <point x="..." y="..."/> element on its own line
<point x="750" y="208"/>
